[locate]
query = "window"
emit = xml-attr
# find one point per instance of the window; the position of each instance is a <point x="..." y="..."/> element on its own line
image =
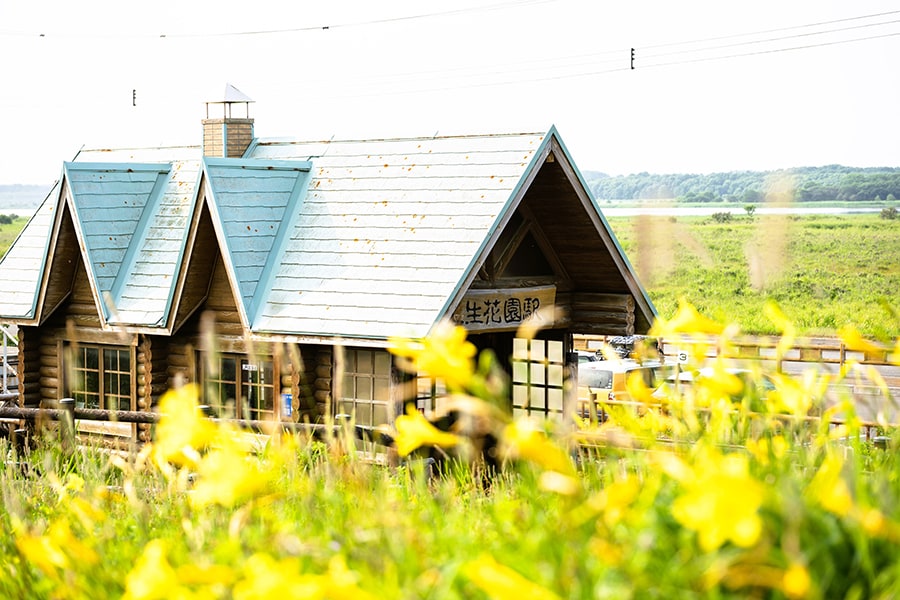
<point x="239" y="387"/>
<point x="100" y="377"/>
<point x="538" y="372"/>
<point x="366" y="386"/>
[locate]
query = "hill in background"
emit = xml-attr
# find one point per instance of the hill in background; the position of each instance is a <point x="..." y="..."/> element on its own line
<point x="802" y="184"/>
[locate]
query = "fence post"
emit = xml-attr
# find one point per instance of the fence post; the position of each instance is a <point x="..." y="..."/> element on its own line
<point x="67" y="423"/>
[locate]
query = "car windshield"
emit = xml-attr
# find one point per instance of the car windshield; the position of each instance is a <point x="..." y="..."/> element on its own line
<point x="595" y="378"/>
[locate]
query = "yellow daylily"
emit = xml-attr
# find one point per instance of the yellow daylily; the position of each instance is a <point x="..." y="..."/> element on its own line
<point x="415" y="431"/>
<point x="502" y="583"/>
<point x="268" y="578"/>
<point x="340" y="583"/>
<point x="522" y="439"/>
<point x="152" y="577"/>
<point x="721" y="500"/>
<point x="44" y="553"/>
<point x="182" y="430"/>
<point x="851" y="338"/>
<point x="686" y="320"/>
<point x="788" y="331"/>
<point x="444" y="354"/>
<point x="828" y="487"/>
<point x="228" y="475"/>
<point x="796" y="582"/>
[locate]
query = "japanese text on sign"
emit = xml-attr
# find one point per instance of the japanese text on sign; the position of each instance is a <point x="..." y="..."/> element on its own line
<point x="494" y="309"/>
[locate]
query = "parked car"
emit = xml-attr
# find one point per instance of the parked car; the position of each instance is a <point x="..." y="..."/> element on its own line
<point x="604" y="381"/>
<point x="586" y="356"/>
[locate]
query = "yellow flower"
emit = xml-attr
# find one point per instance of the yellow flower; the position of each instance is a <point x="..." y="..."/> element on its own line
<point x="564" y="485"/>
<point x="721" y="501"/>
<point x="615" y="499"/>
<point x="341" y="583"/>
<point x="788" y="331"/>
<point x="152" y="576"/>
<point x="522" y="439"/>
<point x="57" y="549"/>
<point x="789" y="395"/>
<point x="267" y="578"/>
<point x="182" y="430"/>
<point x="414" y="431"/>
<point x="765" y="449"/>
<point x="444" y="354"/>
<point x="828" y="487"/>
<point x="638" y="389"/>
<point x="502" y="583"/>
<point x="796" y="582"/>
<point x="718" y="384"/>
<point x="851" y="337"/>
<point x="43" y="553"/>
<point x="228" y="476"/>
<point x="686" y="320"/>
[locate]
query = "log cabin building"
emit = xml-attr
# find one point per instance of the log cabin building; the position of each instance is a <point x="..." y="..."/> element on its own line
<point x="274" y="271"/>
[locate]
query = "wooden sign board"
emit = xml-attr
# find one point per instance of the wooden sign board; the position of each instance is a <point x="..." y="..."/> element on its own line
<point x="484" y="310"/>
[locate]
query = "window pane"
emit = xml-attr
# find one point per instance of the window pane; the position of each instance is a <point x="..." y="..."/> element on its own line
<point x="555" y="351"/>
<point x="555" y="399"/>
<point x="555" y="375"/>
<point x="537" y="350"/>
<point x="537" y="374"/>
<point x="228" y="368"/>
<point x="380" y="415"/>
<point x="383" y="364"/>
<point x="91" y="359"/>
<point x="537" y="397"/>
<point x="520" y="349"/>
<point x="382" y="389"/>
<point x="363" y="388"/>
<point x="364" y="361"/>
<point x="520" y="395"/>
<point x="520" y="372"/>
<point x="364" y="414"/>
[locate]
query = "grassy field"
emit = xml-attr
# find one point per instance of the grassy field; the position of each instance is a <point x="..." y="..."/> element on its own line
<point x="9" y="232"/>
<point x="702" y="499"/>
<point x="823" y="271"/>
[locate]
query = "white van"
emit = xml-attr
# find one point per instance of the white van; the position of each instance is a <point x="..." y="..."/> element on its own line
<point x="604" y="380"/>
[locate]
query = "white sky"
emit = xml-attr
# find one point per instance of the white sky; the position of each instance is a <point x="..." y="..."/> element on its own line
<point x="729" y="102"/>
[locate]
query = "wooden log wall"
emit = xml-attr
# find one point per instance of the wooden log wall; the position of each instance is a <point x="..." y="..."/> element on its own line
<point x="600" y="314"/>
<point x="29" y="367"/>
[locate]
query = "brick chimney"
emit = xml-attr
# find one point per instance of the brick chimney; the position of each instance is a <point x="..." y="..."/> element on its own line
<point x="228" y="136"/>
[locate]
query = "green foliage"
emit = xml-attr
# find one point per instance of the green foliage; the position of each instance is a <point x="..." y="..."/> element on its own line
<point x="889" y="213"/>
<point x="10" y="231"/>
<point x="824" y="271"/>
<point x="805" y="184"/>
<point x="691" y="495"/>
<point x="722" y="217"/>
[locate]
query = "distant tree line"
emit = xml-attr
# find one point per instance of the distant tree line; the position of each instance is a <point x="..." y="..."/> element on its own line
<point x="803" y="184"/>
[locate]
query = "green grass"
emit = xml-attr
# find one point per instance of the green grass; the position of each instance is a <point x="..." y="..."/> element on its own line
<point x="9" y="233"/>
<point x="823" y="271"/>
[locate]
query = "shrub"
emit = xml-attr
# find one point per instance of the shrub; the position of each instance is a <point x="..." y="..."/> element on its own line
<point x="889" y="213"/>
<point x="722" y="217"/>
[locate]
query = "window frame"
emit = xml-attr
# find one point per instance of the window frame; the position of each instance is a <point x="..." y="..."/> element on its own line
<point x="242" y="381"/>
<point x="377" y="374"/>
<point x="72" y="366"/>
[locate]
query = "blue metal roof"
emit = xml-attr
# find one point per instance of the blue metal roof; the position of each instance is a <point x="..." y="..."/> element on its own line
<point x="253" y="204"/>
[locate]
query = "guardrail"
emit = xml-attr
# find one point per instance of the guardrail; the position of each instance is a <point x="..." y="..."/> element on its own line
<point x="67" y="414"/>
